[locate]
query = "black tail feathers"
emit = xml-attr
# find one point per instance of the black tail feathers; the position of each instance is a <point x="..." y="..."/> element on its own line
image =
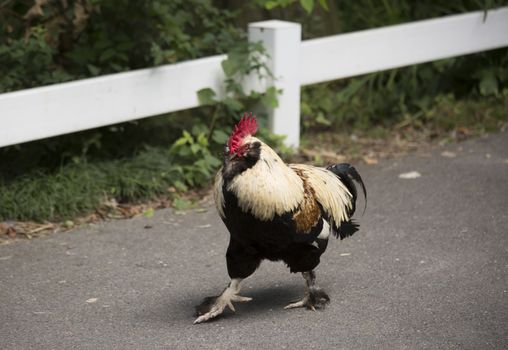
<point x="348" y="174"/>
<point x="346" y="229"/>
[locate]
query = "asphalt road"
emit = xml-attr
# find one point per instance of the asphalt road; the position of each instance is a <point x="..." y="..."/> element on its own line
<point x="428" y="270"/>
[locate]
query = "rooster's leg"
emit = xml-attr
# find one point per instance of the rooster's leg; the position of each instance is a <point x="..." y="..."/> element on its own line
<point x="214" y="306"/>
<point x="241" y="262"/>
<point x="314" y="297"/>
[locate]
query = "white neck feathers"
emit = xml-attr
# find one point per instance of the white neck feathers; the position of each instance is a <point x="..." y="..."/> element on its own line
<point x="269" y="188"/>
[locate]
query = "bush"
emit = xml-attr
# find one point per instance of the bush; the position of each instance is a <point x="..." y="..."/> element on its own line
<point x="52" y="41"/>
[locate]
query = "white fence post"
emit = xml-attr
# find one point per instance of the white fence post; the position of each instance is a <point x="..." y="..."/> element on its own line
<point x="282" y="41"/>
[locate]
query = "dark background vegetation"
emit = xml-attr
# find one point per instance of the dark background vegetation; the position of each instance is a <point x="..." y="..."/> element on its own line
<point x="50" y="41"/>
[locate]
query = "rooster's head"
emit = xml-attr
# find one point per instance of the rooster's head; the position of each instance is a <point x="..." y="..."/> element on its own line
<point x="243" y="150"/>
<point x="241" y="141"/>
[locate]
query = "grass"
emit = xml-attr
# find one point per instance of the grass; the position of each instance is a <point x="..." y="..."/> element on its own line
<point x="79" y="188"/>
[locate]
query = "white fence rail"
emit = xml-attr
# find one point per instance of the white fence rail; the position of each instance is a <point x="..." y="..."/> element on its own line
<point x="79" y="105"/>
<point x="390" y="47"/>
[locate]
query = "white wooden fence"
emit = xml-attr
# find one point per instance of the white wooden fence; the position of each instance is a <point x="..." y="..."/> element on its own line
<point x="79" y="105"/>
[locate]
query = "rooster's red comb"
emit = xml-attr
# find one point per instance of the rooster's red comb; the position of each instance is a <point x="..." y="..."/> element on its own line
<point x="248" y="125"/>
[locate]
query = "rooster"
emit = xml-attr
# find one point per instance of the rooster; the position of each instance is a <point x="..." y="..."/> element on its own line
<point x="277" y="211"/>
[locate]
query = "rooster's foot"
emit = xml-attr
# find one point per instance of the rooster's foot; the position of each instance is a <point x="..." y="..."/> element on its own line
<point x="315" y="298"/>
<point x="212" y="307"/>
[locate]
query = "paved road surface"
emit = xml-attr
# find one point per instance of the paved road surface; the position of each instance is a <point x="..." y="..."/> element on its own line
<point x="428" y="270"/>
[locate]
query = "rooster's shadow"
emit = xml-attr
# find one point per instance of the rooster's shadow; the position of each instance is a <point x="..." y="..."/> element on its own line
<point x="265" y="300"/>
<point x="269" y="299"/>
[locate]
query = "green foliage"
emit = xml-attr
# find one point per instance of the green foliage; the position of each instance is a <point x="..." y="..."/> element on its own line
<point x="447" y="113"/>
<point x="307" y="5"/>
<point x="87" y="178"/>
<point x="245" y="59"/>
<point x="193" y="159"/>
<point x="333" y="17"/>
<point x="46" y="42"/>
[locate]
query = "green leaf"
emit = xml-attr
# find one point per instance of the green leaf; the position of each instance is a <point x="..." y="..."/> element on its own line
<point x="308" y="5"/>
<point x="195" y="148"/>
<point x="181" y="203"/>
<point x="93" y="69"/>
<point x="184" y="152"/>
<point x="202" y="140"/>
<point x="489" y="84"/>
<point x="324" y="4"/>
<point x="106" y="55"/>
<point x="322" y="120"/>
<point x="233" y="104"/>
<point x="305" y="108"/>
<point x="180" y="142"/>
<point x="206" y="96"/>
<point x="270" y="5"/>
<point x="179" y="185"/>
<point x="149" y="212"/>
<point x="230" y="67"/>
<point x="213" y="161"/>
<point x="187" y="136"/>
<point x="220" y="136"/>
<point x="199" y="129"/>
<point x="269" y="99"/>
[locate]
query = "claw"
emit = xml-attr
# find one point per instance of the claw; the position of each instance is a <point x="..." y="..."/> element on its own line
<point x="240" y="298"/>
<point x="209" y="315"/>
<point x="305" y="302"/>
<point x="231" y="307"/>
<point x="200" y="319"/>
<point x="219" y="304"/>
<point x="295" y="305"/>
<point x="317" y="298"/>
